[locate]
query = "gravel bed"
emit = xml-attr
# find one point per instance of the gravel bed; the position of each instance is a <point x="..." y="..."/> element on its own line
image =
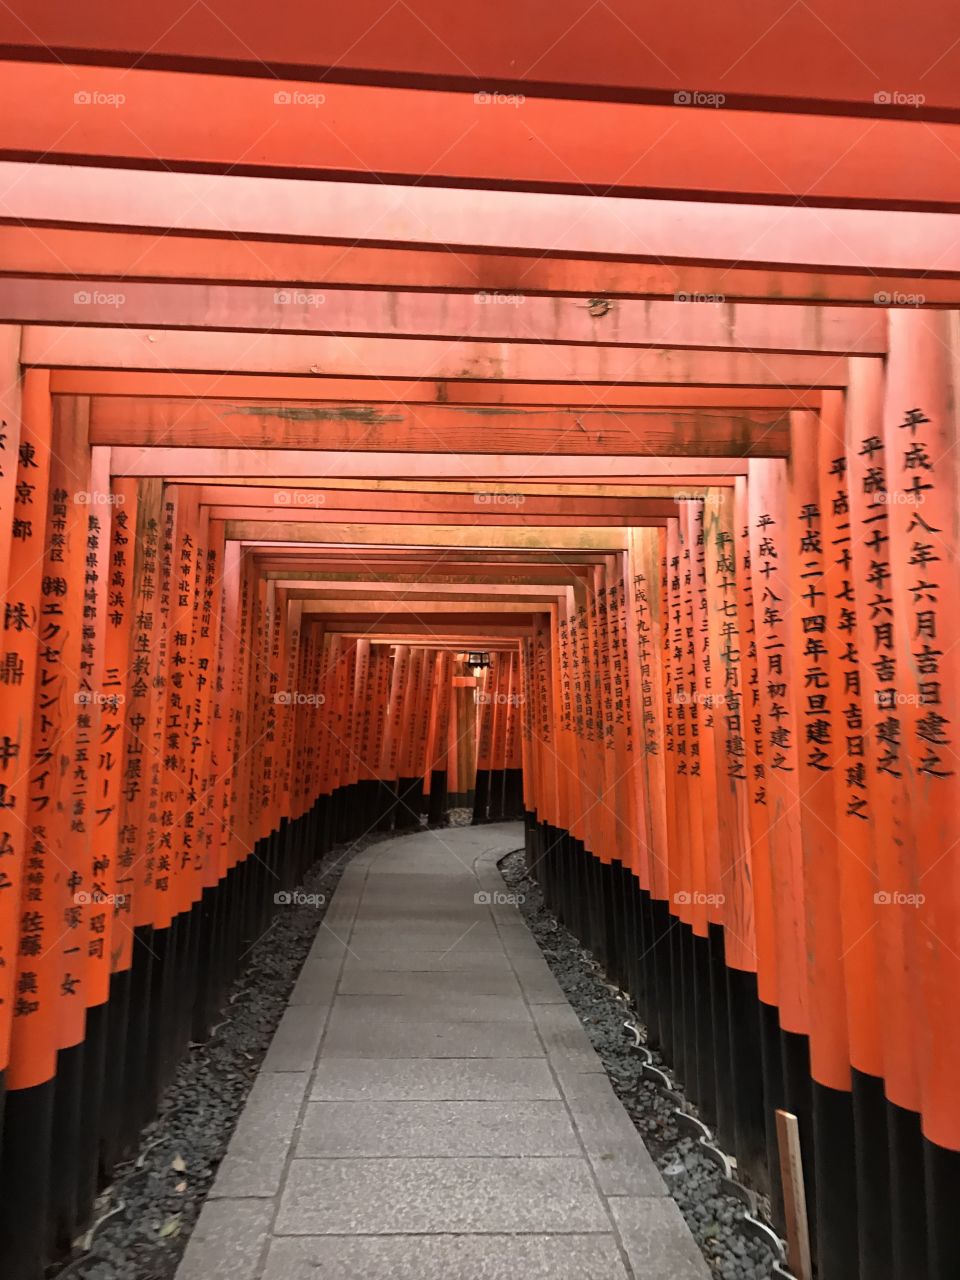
<point x="162" y="1189"/>
<point x="692" y="1179"/>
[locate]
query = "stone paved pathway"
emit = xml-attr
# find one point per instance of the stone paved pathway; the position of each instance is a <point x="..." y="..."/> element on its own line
<point x="431" y="1106"/>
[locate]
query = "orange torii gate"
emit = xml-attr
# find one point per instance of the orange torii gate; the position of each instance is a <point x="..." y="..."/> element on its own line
<point x="668" y="442"/>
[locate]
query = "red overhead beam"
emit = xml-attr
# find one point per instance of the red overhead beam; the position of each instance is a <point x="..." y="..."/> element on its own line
<point x="211" y="351"/>
<point x="115" y="420"/>
<point x="474" y="317"/>
<point x="72" y="253"/>
<point x="204" y="463"/>
<point x="168" y="120"/>
<point x="855" y="240"/>
<point x="354" y="392"/>
<point x="387" y="500"/>
<point x="820" y="55"/>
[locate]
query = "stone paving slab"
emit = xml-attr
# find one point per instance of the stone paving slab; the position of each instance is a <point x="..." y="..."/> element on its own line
<point x="297" y="1039"/>
<point x="386" y="1196"/>
<point x="443" y="984"/>
<point x="355" y="1033"/>
<point x="437" y="1129"/>
<point x="431" y="1105"/>
<point x="257" y="1154"/>
<point x="422" y="960"/>
<point x="227" y="1241"/>
<point x="657" y="1241"/>
<point x="438" y="1079"/>
<point x="451" y="1007"/>
<point x="532" y="1257"/>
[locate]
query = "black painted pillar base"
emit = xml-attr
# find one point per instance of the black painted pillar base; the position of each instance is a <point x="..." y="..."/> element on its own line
<point x="495" y="805"/>
<point x="25" y="1181"/>
<point x="437" y="805"/>
<point x="480" y="795"/>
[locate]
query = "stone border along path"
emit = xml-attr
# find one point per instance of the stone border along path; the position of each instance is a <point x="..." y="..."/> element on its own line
<point x="431" y="1105"/>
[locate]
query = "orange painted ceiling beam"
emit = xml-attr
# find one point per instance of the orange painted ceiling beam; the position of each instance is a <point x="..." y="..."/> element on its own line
<point x="604" y="538"/>
<point x="294" y="464"/>
<point x="391" y="393"/>
<point x="480" y="517"/>
<point x="169" y="120"/>
<point x="464" y="636"/>
<point x="819" y="56"/>
<point x="533" y="575"/>
<point x="391" y="608"/>
<point x="697" y="432"/>
<point x="355" y="589"/>
<point x="417" y="314"/>
<point x="860" y="241"/>
<point x="74" y="253"/>
<point x="447" y="503"/>
<point x="152" y="349"/>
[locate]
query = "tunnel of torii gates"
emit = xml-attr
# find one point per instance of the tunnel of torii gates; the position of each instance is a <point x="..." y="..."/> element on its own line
<point x="538" y="440"/>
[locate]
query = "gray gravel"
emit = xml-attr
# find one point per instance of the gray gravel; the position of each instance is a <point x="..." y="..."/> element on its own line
<point x="693" y="1180"/>
<point x="160" y="1192"/>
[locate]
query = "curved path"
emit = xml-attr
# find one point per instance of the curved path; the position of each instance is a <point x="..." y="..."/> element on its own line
<point x="431" y="1106"/>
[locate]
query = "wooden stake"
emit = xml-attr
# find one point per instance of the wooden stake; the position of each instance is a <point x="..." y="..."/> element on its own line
<point x="794" y="1194"/>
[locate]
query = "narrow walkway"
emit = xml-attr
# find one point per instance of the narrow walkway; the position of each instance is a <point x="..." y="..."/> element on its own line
<point x="431" y="1106"/>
